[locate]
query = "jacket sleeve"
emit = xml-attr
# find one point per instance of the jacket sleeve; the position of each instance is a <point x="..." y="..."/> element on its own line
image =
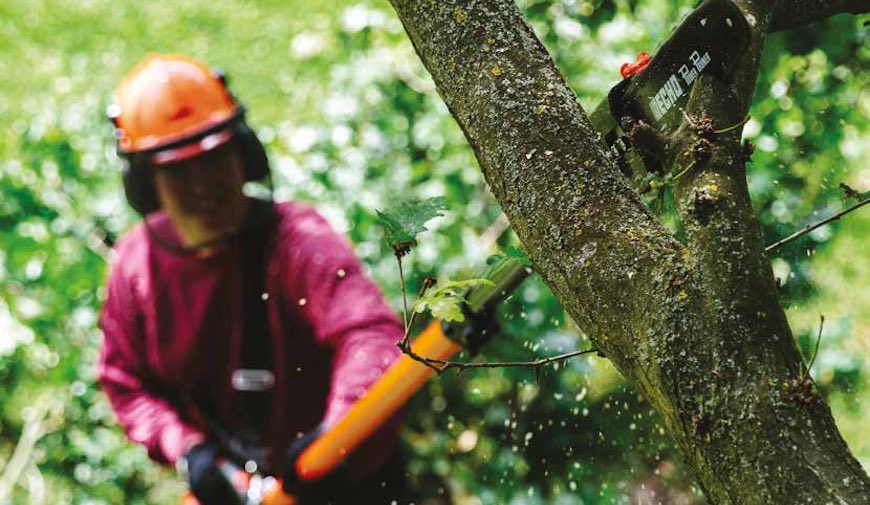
<point x="347" y="312"/>
<point x="147" y="418"/>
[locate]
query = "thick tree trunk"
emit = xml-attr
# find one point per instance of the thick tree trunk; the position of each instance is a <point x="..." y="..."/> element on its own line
<point x="697" y="328"/>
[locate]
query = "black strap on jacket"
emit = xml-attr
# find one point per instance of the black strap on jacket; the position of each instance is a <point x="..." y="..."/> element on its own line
<point x="253" y="380"/>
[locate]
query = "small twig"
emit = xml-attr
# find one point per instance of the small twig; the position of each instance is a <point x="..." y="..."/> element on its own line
<point x="704" y="125"/>
<point x="732" y="127"/>
<point x="689" y="119"/>
<point x="683" y="171"/>
<point x="802" y="387"/>
<point x="404" y="295"/>
<point x="429" y="362"/>
<point x="428" y="282"/>
<point x="850" y="192"/>
<point x="818" y="341"/>
<point x="776" y="245"/>
<point x="463" y="365"/>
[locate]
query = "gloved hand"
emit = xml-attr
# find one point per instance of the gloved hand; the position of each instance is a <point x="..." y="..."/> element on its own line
<point x="207" y="482"/>
<point x="333" y="486"/>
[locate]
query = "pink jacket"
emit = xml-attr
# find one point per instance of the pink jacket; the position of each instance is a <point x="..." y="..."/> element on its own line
<point x="172" y="333"/>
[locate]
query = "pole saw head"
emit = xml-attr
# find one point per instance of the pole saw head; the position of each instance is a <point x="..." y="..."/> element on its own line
<point x="480" y="319"/>
<point x="711" y="40"/>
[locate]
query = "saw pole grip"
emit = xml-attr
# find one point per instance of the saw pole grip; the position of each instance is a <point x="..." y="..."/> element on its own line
<point x="277" y="496"/>
<point x="235" y="475"/>
<point x="404" y="378"/>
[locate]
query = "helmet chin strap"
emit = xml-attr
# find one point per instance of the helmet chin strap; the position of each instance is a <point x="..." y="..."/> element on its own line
<point x="257" y="215"/>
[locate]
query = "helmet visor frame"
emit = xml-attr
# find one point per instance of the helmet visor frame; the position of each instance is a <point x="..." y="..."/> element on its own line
<point x="192" y="145"/>
<point x="205" y="144"/>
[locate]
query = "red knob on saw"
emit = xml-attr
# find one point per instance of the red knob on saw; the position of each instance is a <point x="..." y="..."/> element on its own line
<point x="629" y="69"/>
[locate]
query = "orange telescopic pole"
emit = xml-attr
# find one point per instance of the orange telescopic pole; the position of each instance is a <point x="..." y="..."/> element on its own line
<point x="388" y="395"/>
<point x="370" y="412"/>
<point x="400" y="382"/>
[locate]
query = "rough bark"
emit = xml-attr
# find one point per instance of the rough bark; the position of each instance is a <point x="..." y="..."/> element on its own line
<point x="697" y="328"/>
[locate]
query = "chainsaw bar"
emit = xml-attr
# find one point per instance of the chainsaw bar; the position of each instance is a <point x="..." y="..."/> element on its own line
<point x="710" y="40"/>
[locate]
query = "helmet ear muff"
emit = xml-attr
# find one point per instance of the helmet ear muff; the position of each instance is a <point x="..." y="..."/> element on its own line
<point x="252" y="151"/>
<point x="137" y="171"/>
<point x="139" y="184"/>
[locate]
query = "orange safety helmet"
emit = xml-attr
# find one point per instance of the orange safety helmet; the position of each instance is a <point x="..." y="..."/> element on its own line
<point x="170" y="108"/>
<point x="165" y="99"/>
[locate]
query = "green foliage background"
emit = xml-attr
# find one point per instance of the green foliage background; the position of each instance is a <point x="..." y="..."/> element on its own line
<point x="352" y="122"/>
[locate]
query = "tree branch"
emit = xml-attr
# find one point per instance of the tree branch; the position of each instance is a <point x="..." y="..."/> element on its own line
<point x="405" y="324"/>
<point x="740" y="303"/>
<point x="441" y="366"/>
<point x="795" y="13"/>
<point x="428" y="282"/>
<point x="667" y="316"/>
<point x="810" y="227"/>
<point x="818" y="341"/>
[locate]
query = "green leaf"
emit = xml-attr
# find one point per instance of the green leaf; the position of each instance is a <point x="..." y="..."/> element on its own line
<point x="404" y="221"/>
<point x="447" y="310"/>
<point x="445" y="301"/>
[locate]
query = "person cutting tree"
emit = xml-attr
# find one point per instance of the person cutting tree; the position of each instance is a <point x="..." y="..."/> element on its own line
<point x="234" y="328"/>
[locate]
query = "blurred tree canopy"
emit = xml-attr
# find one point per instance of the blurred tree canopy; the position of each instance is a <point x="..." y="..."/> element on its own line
<point x="351" y="120"/>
